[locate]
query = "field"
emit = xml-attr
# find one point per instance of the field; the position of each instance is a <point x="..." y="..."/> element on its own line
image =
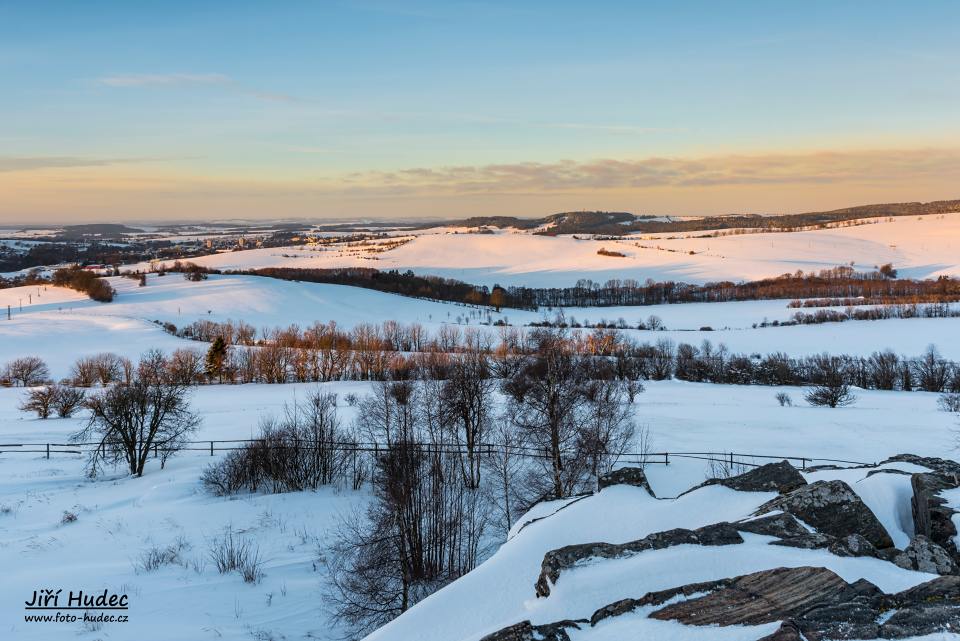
<point x="119" y="518"/>
<point x="72" y="325"/>
<point x="921" y="247"/>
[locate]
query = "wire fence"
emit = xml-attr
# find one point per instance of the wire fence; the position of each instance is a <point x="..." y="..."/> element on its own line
<point x="212" y="447"/>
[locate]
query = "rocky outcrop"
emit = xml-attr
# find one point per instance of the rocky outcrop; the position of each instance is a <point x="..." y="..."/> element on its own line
<point x="626" y="476"/>
<point x="831" y="507"/>
<point x="780" y="525"/>
<point x="762" y="597"/>
<point x="932" y="517"/>
<point x="941" y="465"/>
<point x="556" y="561"/>
<point x="923" y="555"/>
<point x="850" y="545"/>
<point x="773" y="477"/>
<point x="813" y="604"/>
<point x="525" y="631"/>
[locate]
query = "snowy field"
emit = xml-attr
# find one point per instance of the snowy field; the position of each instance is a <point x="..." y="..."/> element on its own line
<point x="919" y="247"/>
<point x="71" y="325"/>
<point x="121" y="517"/>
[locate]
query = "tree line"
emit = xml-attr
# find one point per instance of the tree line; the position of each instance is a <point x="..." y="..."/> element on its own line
<point x="84" y="281"/>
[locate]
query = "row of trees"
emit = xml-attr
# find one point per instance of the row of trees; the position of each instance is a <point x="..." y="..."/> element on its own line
<point x="841" y="282"/>
<point x="367" y="353"/>
<point x="84" y="281"/>
<point x="837" y="283"/>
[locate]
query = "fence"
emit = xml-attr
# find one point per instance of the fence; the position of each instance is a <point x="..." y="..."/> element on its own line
<point x="645" y="458"/>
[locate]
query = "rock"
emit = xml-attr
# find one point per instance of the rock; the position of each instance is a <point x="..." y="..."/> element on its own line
<point x="773" y="477"/>
<point x="854" y="545"/>
<point x="525" y="631"/>
<point x="807" y="541"/>
<point x="556" y="561"/>
<point x="788" y="631"/>
<point x="781" y="525"/>
<point x="931" y="516"/>
<point x="655" y="598"/>
<point x="941" y="465"/>
<point x="626" y="476"/>
<point x="812" y="604"/>
<point x="817" y="604"/>
<point x="831" y="507"/>
<point x="923" y="555"/>
<point x="761" y="597"/>
<point x="850" y="545"/>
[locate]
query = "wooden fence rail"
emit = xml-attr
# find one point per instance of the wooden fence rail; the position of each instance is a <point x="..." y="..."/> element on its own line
<point x="489" y="449"/>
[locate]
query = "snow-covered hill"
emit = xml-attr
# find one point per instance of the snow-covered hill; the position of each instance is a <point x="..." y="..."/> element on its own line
<point x="920" y="247"/>
<point x="61" y="325"/>
<point x="119" y="518"/>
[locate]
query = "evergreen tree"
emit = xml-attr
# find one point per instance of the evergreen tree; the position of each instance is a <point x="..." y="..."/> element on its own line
<point x="216" y="358"/>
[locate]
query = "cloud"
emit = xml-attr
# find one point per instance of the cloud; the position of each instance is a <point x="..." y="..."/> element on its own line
<point x="33" y="163"/>
<point x="181" y="80"/>
<point x="834" y="167"/>
<point x="163" y="79"/>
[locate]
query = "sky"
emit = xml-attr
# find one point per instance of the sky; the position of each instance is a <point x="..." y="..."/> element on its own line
<point x="201" y="110"/>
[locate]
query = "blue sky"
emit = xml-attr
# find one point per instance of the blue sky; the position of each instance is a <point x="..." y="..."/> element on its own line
<point x="205" y="109"/>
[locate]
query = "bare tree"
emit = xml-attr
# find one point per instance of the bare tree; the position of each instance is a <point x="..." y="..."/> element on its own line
<point x="128" y="421"/>
<point x="27" y="371"/>
<point x="467" y="395"/>
<point x="40" y="400"/>
<point x="607" y="428"/>
<point x="544" y="397"/>
<point x="831" y="389"/>
<point x="932" y="371"/>
<point x="68" y="400"/>
<point x="504" y="465"/>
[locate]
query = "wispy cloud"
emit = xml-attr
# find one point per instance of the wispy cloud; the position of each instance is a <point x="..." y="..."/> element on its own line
<point x="163" y="79"/>
<point x="34" y="163"/>
<point x="612" y="128"/>
<point x="184" y="80"/>
<point x="869" y="166"/>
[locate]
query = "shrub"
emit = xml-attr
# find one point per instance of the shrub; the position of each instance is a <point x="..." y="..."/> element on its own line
<point x="784" y="399"/>
<point x="68" y="400"/>
<point x="304" y="450"/>
<point x="40" y="400"/>
<point x="231" y="553"/>
<point x="949" y="402"/>
<point x="68" y="517"/>
<point x="156" y="557"/>
<point x="830" y="395"/>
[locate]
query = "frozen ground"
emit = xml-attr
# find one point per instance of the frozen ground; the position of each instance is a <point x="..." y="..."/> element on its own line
<point x="120" y="517"/>
<point x="920" y="247"/>
<point x="60" y="325"/>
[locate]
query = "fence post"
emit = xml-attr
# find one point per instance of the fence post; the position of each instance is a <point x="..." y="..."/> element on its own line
<point x="48" y="450"/>
<point x="156" y="450"/>
<point x="666" y="458"/>
<point x="211" y="448"/>
<point x="731" y="461"/>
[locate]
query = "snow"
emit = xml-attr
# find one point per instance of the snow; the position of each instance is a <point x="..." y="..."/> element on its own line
<point x="886" y="494"/>
<point x="120" y="517"/>
<point x="60" y="325"/>
<point x="920" y="247"/>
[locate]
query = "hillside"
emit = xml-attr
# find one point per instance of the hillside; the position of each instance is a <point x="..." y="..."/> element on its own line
<point x="922" y="247"/>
